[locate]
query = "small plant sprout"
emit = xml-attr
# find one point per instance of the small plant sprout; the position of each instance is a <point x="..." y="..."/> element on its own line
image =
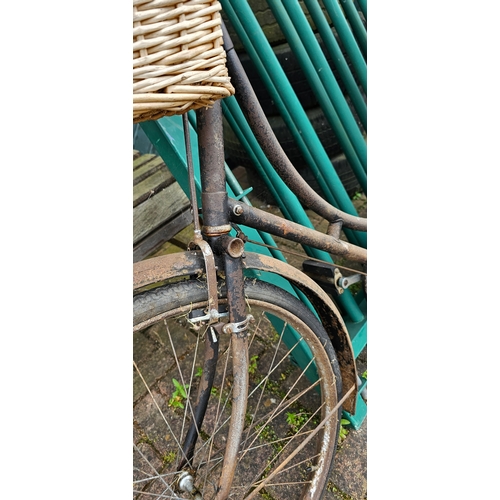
<point x="169" y="457"/>
<point x="179" y="395"/>
<point x="252" y="365"/>
<point x="343" y="429"/>
<point x="296" y="420"/>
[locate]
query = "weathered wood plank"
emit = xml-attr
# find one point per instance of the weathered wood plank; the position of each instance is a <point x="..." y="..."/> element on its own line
<point x="155" y="211"/>
<point x="142" y="160"/>
<point x="164" y="233"/>
<point x="151" y="185"/>
<point x="161" y="209"/>
<point x="148" y="168"/>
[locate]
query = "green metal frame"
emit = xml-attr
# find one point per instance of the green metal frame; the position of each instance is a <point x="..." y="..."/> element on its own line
<point x="278" y="86"/>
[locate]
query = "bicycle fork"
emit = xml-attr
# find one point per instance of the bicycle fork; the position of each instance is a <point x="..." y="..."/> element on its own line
<point x="216" y="239"/>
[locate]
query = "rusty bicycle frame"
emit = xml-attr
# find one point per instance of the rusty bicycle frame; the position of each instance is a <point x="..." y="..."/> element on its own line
<point x="220" y="252"/>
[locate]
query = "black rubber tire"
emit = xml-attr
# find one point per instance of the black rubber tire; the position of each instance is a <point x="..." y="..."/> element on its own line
<point x="158" y="302"/>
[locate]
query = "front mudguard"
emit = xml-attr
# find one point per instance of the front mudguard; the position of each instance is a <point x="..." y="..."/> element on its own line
<point x="165" y="267"/>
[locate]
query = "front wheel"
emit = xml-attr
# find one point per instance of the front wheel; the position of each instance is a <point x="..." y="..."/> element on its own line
<point x="287" y="446"/>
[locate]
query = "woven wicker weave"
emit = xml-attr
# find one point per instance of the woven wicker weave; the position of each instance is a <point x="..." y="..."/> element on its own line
<point x="179" y="60"/>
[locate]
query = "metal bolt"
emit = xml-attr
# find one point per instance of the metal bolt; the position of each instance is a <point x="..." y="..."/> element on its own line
<point x="185" y="482"/>
<point x="238" y="210"/>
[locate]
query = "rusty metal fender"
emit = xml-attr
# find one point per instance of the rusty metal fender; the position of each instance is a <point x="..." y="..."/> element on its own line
<point x="191" y="263"/>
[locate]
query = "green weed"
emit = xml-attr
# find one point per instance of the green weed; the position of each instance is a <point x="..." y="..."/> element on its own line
<point x="252" y="366"/>
<point x="296" y="420"/>
<point x="344" y="431"/>
<point x="179" y="395"/>
<point x="168" y="458"/>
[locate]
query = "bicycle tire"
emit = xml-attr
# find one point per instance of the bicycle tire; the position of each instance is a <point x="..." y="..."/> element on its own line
<point x="267" y="442"/>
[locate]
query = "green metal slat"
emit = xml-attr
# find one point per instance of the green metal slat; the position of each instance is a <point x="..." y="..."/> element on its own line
<point x="162" y="134"/>
<point x="338" y="59"/>
<point x="259" y="160"/>
<point x="362" y="6"/>
<point x="331" y="97"/>
<point x="348" y="40"/>
<point x="358" y="331"/>
<point x="356" y="25"/>
<point x="361" y="410"/>
<point x="293" y="23"/>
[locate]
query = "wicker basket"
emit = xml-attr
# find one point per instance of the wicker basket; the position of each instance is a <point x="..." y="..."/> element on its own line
<point x="179" y="60"/>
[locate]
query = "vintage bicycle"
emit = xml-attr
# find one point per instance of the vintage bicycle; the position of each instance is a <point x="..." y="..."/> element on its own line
<point x="254" y="375"/>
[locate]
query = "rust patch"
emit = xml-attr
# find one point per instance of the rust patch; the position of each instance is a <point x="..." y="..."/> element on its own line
<point x="165" y="267"/>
